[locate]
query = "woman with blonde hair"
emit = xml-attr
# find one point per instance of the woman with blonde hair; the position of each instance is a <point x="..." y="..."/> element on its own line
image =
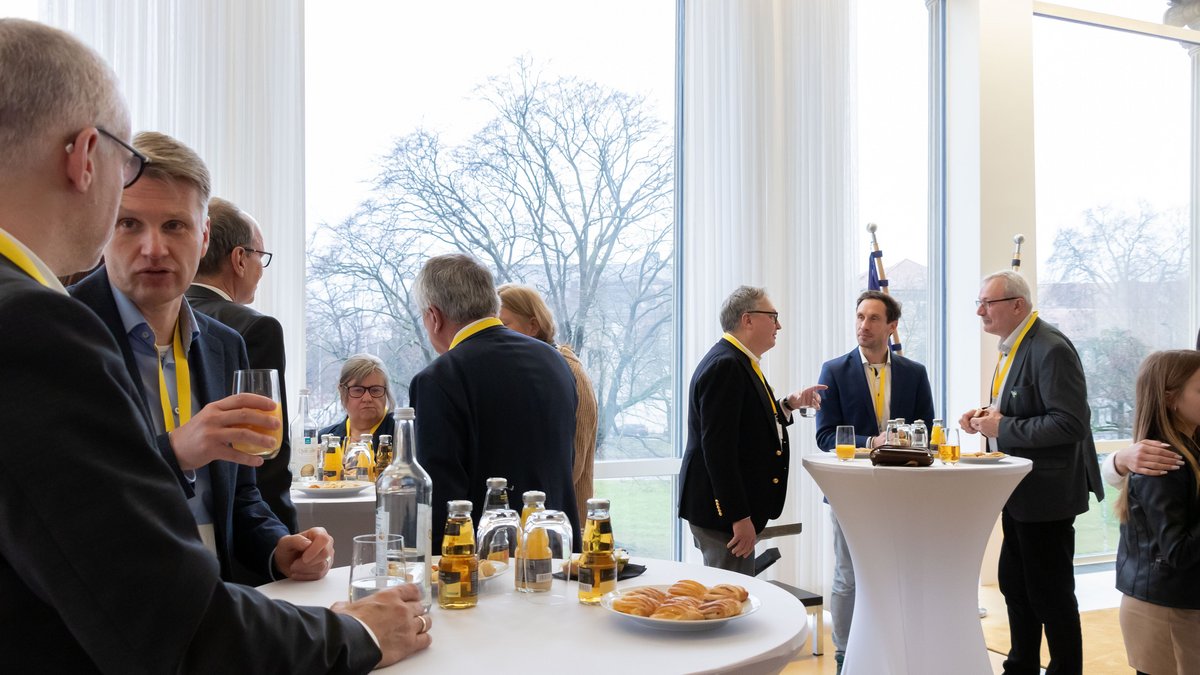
<point x="522" y="309"/>
<point x="1158" y="559"/>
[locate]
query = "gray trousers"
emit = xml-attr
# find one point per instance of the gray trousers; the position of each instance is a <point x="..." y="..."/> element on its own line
<point x="841" y="598"/>
<point x="712" y="545"/>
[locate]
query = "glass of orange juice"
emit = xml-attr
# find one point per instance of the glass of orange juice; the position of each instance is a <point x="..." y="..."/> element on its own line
<point x="264" y="382"/>
<point x="844" y="442"/>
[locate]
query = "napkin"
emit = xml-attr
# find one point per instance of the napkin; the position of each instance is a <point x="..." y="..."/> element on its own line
<point x="631" y="570"/>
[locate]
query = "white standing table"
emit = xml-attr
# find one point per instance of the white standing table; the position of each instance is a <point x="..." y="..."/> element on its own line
<point x="343" y="517"/>
<point x="917" y="537"/>
<point x="514" y="632"/>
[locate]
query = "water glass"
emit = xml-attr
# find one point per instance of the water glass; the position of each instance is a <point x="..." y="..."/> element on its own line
<point x="378" y="563"/>
<point x="544" y="548"/>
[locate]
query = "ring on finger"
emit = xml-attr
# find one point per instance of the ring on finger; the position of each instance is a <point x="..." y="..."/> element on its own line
<point x="424" y="623"/>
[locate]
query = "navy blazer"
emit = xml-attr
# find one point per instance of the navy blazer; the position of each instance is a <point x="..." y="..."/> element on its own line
<point x="736" y="462"/>
<point x="244" y="526"/>
<point x="498" y="404"/>
<point x="264" y="346"/>
<point x="1047" y="420"/>
<point x="848" y="398"/>
<point x="101" y="568"/>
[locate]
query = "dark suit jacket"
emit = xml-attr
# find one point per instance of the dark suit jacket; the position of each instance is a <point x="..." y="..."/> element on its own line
<point x="264" y="345"/>
<point x="1047" y="420"/>
<point x="848" y="398"/>
<point x="101" y="568"/>
<point x="244" y="526"/>
<point x="735" y="464"/>
<point x="498" y="404"/>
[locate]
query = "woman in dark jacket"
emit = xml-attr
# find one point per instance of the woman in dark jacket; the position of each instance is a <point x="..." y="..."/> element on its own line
<point x="1158" y="559"/>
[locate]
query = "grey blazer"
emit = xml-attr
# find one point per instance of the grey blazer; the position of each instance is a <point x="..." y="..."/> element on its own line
<point x="1047" y="420"/>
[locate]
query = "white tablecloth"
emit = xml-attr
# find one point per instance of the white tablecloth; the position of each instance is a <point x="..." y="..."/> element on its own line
<point x="917" y="537"/>
<point x="343" y="517"/>
<point x="507" y="632"/>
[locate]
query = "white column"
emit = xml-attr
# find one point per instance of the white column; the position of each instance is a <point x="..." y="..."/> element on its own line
<point x="225" y="77"/>
<point x="1194" y="55"/>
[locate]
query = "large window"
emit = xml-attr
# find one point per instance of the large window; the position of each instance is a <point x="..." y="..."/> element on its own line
<point x="1112" y="118"/>
<point x="537" y="136"/>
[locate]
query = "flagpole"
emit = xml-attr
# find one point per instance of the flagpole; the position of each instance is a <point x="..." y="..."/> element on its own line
<point x="877" y="258"/>
<point x="1016" y="257"/>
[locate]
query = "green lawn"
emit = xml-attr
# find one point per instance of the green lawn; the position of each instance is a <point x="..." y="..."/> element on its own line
<point x="642" y="514"/>
<point x="1098" y="531"/>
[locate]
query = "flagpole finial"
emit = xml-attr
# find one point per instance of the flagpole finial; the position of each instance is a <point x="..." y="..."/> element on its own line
<point x="871" y="227"/>
<point x="1019" y="239"/>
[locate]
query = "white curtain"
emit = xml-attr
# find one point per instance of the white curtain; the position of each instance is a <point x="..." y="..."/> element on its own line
<point x="226" y="77"/>
<point x="768" y="199"/>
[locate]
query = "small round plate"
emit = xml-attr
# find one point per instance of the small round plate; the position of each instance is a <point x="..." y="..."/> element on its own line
<point x="749" y="607"/>
<point x="862" y="453"/>
<point x="982" y="458"/>
<point x="336" y="488"/>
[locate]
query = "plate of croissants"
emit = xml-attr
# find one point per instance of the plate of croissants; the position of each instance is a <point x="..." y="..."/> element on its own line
<point x="686" y="605"/>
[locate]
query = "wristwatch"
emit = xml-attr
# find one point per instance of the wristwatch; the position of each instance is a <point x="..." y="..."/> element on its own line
<point x="783" y="402"/>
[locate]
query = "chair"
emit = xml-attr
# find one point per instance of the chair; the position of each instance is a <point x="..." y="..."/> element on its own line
<point x="813" y="602"/>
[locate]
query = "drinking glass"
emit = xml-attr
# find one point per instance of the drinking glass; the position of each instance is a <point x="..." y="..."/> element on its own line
<point x="264" y="382"/>
<point x="950" y="450"/>
<point x="497" y="535"/>
<point x="544" y="547"/>
<point x="844" y="439"/>
<point x="378" y="563"/>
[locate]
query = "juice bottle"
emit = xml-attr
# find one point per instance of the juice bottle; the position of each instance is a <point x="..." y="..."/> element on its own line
<point x="458" y="570"/>
<point x="598" y="565"/>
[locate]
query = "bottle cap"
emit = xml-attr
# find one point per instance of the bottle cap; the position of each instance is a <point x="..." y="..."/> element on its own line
<point x="533" y="496"/>
<point x="458" y="507"/>
<point x="497" y="483"/>
<point x="405" y="414"/>
<point x="598" y="503"/>
<point x="385" y="438"/>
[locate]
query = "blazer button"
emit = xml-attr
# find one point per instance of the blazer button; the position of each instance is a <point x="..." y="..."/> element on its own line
<point x="775" y="481"/>
<point x="778" y="453"/>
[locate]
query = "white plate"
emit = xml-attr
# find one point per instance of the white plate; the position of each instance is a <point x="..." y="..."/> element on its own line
<point x="749" y="607"/>
<point x="986" y="458"/>
<point x="344" y="488"/>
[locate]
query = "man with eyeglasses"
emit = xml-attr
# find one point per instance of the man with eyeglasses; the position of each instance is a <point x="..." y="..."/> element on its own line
<point x="735" y="468"/>
<point x="184" y="363"/>
<point x="101" y="565"/>
<point x="225" y="284"/>
<point x="867" y="387"/>
<point x="1037" y="409"/>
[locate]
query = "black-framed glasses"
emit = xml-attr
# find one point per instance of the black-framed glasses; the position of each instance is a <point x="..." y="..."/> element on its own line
<point x="774" y="315"/>
<point x="988" y="303"/>
<point x="135" y="165"/>
<point x="357" y="391"/>
<point x="266" y="261"/>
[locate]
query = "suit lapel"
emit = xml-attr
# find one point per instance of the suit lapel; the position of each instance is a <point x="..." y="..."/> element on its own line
<point x="105" y="307"/>
<point x="1016" y="371"/>
<point x="763" y="396"/>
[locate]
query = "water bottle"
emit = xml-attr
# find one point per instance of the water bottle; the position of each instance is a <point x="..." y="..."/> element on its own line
<point x="404" y="504"/>
<point x="920" y="435"/>
<point x="306" y="451"/>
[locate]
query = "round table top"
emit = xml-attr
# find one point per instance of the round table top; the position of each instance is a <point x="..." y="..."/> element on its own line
<point x="508" y="627"/>
<point x="1007" y="464"/>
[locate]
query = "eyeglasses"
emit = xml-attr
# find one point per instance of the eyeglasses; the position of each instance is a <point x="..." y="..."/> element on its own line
<point x="357" y="392"/>
<point x="988" y="303"/>
<point x="266" y="261"/>
<point x="774" y="315"/>
<point x="135" y="165"/>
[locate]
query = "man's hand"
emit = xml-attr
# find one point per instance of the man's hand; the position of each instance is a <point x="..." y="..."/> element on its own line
<point x="742" y="544"/>
<point x="964" y="422"/>
<point x="987" y="423"/>
<point x="1149" y="458"/>
<point x="396" y="617"/>
<point x="806" y="398"/>
<point x="879" y="440"/>
<point x="206" y="437"/>
<point x="306" y="556"/>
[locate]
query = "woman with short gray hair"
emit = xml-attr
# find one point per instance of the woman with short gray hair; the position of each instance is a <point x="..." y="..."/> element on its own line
<point x="366" y="395"/>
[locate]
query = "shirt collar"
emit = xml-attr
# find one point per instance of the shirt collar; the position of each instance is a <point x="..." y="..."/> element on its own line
<point x="1007" y="343"/>
<point x="887" y="359"/>
<point x="738" y="343"/>
<point x="138" y="329"/>
<point x="51" y="279"/>
<point x="214" y="289"/>
<point x="469" y="328"/>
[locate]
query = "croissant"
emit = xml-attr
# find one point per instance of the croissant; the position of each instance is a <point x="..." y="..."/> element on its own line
<point x="637" y="605"/>
<point x="649" y="592"/>
<point x="677" y="612"/>
<point x="683" y="600"/>
<point x="727" y="591"/>
<point x="689" y="588"/>
<point x="721" y="609"/>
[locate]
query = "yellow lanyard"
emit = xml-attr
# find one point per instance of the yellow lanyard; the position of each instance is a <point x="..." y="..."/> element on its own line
<point x="880" y="383"/>
<point x="183" y="386"/>
<point x="473" y="329"/>
<point x="1001" y="371"/>
<point x="346" y="440"/>
<point x="10" y="250"/>
<point x="757" y="371"/>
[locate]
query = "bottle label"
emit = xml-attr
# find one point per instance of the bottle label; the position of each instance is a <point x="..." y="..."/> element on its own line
<point x="540" y="570"/>
<point x="601" y="578"/>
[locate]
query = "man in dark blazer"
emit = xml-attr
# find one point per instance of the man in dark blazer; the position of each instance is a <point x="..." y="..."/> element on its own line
<point x="1038" y="410"/>
<point x="225" y="284"/>
<point x="103" y="570"/>
<point x="867" y="387"/>
<point x="494" y="403"/>
<point x="149" y="263"/>
<point x="735" y="467"/>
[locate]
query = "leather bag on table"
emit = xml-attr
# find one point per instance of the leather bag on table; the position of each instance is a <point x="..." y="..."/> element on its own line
<point x="894" y="455"/>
